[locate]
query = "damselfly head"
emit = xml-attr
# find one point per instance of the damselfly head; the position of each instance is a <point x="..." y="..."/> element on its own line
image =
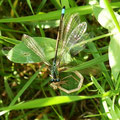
<point x="55" y="80"/>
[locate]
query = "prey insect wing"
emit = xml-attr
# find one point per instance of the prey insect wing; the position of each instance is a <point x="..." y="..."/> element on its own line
<point x="33" y="45"/>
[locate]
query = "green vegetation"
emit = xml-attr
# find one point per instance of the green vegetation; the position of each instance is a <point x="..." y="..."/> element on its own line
<point x="25" y="91"/>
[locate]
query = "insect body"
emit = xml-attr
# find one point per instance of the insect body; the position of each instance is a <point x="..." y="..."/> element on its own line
<point x="71" y="31"/>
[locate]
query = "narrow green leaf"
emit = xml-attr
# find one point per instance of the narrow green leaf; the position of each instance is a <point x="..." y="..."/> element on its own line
<point x="87" y="64"/>
<point x="49" y="16"/>
<point x="72" y="3"/>
<point x="65" y="3"/>
<point x="101" y="90"/>
<point x="9" y="40"/>
<point x="56" y="3"/>
<point x="8" y="89"/>
<point x="30" y="6"/>
<point x="41" y="5"/>
<point x="109" y="8"/>
<point x="44" y="102"/>
<point x="117" y="109"/>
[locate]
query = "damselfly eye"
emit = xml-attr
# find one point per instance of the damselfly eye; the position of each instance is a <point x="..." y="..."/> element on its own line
<point x="57" y="80"/>
<point x="52" y="80"/>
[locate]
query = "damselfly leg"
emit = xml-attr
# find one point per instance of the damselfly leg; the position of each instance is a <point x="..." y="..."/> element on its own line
<point x="58" y="85"/>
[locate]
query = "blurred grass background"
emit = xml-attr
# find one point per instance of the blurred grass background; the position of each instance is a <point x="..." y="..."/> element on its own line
<point x="23" y="83"/>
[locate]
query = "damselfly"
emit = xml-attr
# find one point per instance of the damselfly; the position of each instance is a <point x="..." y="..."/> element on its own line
<point x="71" y="31"/>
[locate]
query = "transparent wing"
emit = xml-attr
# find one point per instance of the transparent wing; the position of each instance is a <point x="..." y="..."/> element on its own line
<point x="72" y="32"/>
<point x="33" y="45"/>
<point x="76" y="48"/>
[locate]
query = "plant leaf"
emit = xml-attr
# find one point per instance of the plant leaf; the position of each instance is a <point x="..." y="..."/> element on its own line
<point x="22" y="54"/>
<point x="104" y="18"/>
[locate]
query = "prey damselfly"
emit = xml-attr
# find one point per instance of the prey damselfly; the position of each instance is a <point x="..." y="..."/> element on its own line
<point x="71" y="31"/>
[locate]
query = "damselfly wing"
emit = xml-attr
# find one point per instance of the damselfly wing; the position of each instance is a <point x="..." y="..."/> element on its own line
<point x="37" y="49"/>
<point x="73" y="31"/>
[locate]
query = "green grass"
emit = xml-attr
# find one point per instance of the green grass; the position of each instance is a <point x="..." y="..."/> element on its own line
<point x="24" y="87"/>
